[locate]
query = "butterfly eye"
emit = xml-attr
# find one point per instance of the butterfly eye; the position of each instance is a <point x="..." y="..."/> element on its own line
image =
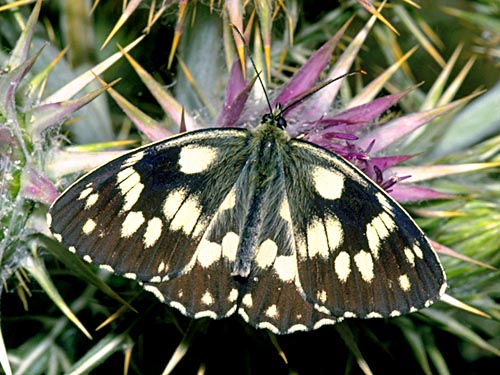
<point x="281" y="122"/>
<point x="266" y="118"/>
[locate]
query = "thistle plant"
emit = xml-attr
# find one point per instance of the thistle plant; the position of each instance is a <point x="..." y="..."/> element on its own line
<point x="404" y="137"/>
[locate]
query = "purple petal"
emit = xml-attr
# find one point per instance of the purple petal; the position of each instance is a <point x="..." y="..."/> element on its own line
<point x="368" y="112"/>
<point x="308" y="75"/>
<point x="236" y="83"/>
<point x="414" y="193"/>
<point x="385" y="162"/>
<point x="324" y="99"/>
<point x="37" y="187"/>
<point x="398" y="128"/>
<point x="231" y="112"/>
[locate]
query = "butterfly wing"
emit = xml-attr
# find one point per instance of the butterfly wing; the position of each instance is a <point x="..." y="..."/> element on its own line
<point x="144" y="215"/>
<point x="356" y="252"/>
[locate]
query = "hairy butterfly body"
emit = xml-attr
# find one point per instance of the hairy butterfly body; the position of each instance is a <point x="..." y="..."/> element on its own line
<point x="220" y="221"/>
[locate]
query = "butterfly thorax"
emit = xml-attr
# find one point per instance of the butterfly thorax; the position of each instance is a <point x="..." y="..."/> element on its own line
<point x="265" y="168"/>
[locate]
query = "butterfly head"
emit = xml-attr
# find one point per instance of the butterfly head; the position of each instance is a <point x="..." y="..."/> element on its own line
<point x="275" y="117"/>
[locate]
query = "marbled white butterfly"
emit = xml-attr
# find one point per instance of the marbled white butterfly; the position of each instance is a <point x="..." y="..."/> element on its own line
<point x="221" y="221"/>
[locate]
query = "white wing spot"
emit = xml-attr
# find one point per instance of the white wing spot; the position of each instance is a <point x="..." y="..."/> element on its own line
<point x="208" y="253"/>
<point x="107" y="267"/>
<point x="91" y="200"/>
<point x="173" y="202"/>
<point x="243" y="314"/>
<point x="272" y="312"/>
<point x="321" y="296"/>
<point x="229" y="201"/>
<point x="207" y="298"/>
<point x="378" y="230"/>
<point x="266" y="254"/>
<point x="233" y="295"/>
<point x="349" y="314"/>
<point x="179" y="306"/>
<point x="132" y="197"/>
<point x="343" y="266"/>
<point x="85" y="193"/>
<point x="285" y="211"/>
<point x="384" y="202"/>
<point x="364" y="262"/>
<point x="134" y="158"/>
<point x="230" y="246"/>
<point x="324" y="322"/>
<point x="334" y="232"/>
<point x="196" y="159"/>
<point x="373" y="315"/>
<point x="127" y="179"/>
<point x="410" y="256"/>
<point x="153" y="232"/>
<point x="87" y="258"/>
<point x="322" y="309"/>
<point x="72" y="249"/>
<point x="200" y="227"/>
<point x="328" y="183"/>
<point x="231" y="310"/>
<point x="404" y="283"/>
<point x="269" y="326"/>
<point x="301" y="246"/>
<point x="418" y="251"/>
<point x="373" y="239"/>
<point x="285" y="267"/>
<point x="247" y="300"/>
<point x="89" y="226"/>
<point x="394" y="313"/>
<point x="297" y="328"/>
<point x="205" y="314"/>
<point x="132" y="223"/>
<point x="161" y="267"/>
<point x="186" y="217"/>
<point x="130" y="275"/>
<point x="129" y="183"/>
<point x="317" y="241"/>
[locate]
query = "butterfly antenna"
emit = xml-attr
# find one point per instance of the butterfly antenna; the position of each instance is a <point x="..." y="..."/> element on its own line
<point x="254" y="66"/>
<point x="307" y="94"/>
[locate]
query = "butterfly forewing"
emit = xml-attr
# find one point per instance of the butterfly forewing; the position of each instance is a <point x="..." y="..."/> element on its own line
<point x="144" y="214"/>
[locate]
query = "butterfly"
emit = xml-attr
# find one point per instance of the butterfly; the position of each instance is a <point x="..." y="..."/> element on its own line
<point x="226" y="221"/>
